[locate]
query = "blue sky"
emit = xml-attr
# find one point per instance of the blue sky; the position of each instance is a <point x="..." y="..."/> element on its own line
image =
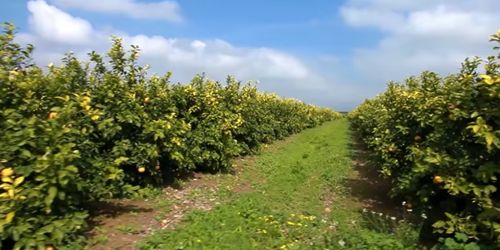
<point x="330" y="53"/>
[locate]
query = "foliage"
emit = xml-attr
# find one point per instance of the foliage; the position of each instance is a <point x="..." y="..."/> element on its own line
<point x="438" y="140"/>
<point x="378" y="231"/>
<point x="368" y="239"/>
<point x="86" y="131"/>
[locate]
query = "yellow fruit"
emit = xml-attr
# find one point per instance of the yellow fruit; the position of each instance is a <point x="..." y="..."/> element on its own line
<point x="437" y="180"/>
<point x="86" y="99"/>
<point x="52" y="115"/>
<point x="487" y="79"/>
<point x="49" y="247"/>
<point x="141" y="170"/>
<point x="146" y="100"/>
<point x="7" y="172"/>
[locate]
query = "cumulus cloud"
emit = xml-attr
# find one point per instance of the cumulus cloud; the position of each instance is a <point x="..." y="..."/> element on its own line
<point x="421" y="35"/>
<point x="218" y="58"/>
<point x="383" y="19"/>
<point x="164" y="10"/>
<point x="54" y="25"/>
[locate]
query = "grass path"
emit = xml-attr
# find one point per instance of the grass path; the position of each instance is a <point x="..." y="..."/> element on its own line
<point x="299" y="198"/>
<point x="305" y="192"/>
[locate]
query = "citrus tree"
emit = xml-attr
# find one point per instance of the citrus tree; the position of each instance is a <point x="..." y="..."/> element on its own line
<point x="438" y="140"/>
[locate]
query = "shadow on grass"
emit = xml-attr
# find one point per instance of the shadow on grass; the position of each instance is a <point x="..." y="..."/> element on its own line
<point x="367" y="185"/>
<point x="112" y="209"/>
<point x="372" y="191"/>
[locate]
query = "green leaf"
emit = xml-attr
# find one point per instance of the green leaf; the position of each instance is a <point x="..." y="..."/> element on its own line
<point x="490" y="137"/>
<point x="120" y="160"/>
<point x="472" y="246"/>
<point x="52" y="192"/>
<point x="439" y="224"/>
<point x="72" y="169"/>
<point x="18" y="181"/>
<point x="475" y="128"/>
<point x="461" y="237"/>
<point x="9" y="217"/>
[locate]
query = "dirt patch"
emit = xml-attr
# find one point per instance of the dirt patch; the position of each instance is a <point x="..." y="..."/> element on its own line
<point x="328" y="198"/>
<point x="121" y="224"/>
<point x="242" y="164"/>
<point x="199" y="194"/>
<point x="243" y="188"/>
<point x="367" y="185"/>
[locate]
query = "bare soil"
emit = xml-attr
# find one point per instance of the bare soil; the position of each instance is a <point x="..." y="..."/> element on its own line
<point x="368" y="187"/>
<point x="121" y="224"/>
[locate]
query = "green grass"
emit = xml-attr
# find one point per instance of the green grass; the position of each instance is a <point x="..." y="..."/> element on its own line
<point x="286" y="207"/>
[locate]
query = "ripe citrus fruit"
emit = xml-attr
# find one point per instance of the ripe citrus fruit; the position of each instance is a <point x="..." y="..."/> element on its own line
<point x="7" y="172"/>
<point x="437" y="179"/>
<point x="52" y="115"/>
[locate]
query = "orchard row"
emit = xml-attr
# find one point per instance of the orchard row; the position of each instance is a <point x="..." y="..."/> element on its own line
<point x="83" y="132"/>
<point x="438" y="140"/>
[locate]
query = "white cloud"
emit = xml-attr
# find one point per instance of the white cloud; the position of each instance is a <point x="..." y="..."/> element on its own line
<point x="55" y="25"/>
<point x="421" y="35"/>
<point x="218" y="58"/>
<point x="448" y="23"/>
<point x="198" y="45"/>
<point x="164" y="10"/>
<point x="383" y="19"/>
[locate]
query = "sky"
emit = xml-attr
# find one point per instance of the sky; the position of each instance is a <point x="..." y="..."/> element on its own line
<point x="324" y="52"/>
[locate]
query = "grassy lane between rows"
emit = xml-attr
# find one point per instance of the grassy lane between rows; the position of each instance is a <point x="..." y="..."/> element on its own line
<point x="298" y="199"/>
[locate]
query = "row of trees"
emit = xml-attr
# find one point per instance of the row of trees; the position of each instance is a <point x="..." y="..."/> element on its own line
<point x="87" y="131"/>
<point x="438" y="140"/>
